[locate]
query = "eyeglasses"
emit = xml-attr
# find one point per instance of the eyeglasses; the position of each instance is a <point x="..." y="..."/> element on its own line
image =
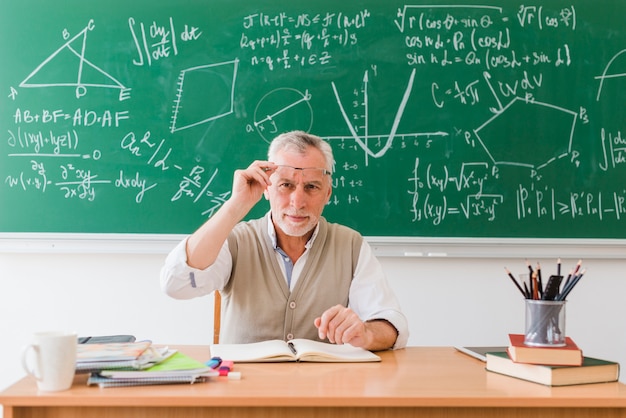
<point x="308" y="173"/>
<point x="312" y="177"/>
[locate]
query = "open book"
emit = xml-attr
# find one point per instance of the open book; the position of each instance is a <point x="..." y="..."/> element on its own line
<point x="294" y="350"/>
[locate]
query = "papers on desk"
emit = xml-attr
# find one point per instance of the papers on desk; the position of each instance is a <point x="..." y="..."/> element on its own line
<point x="177" y="368"/>
<point x="106" y="356"/>
<point x="138" y="363"/>
<point x="479" y="353"/>
<point x="110" y="351"/>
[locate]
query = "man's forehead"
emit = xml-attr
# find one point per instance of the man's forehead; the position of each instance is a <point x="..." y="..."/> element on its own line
<point x="296" y="158"/>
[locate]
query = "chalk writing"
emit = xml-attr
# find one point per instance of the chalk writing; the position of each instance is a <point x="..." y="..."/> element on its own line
<point x="445" y="119"/>
<point x="299" y="41"/>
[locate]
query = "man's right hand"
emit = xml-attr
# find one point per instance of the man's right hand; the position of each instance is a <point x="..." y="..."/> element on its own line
<point x="204" y="245"/>
<point x="250" y="183"/>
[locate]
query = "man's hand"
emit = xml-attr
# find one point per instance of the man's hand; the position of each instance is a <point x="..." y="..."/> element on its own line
<point x="341" y="325"/>
<point x="204" y="245"/>
<point x="250" y="183"/>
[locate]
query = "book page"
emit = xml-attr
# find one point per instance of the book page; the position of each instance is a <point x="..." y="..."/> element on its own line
<point x="309" y="350"/>
<point x="272" y="350"/>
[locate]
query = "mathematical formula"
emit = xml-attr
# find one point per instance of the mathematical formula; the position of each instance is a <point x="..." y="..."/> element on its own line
<point x="453" y="105"/>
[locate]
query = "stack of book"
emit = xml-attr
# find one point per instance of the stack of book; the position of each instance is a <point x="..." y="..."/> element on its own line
<point x="138" y="363"/>
<point x="133" y="355"/>
<point x="551" y="366"/>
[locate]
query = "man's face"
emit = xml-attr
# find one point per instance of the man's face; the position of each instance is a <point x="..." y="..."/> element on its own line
<point x="300" y="189"/>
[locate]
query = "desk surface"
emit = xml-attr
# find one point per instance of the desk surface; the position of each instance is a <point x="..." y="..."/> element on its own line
<point x="412" y="377"/>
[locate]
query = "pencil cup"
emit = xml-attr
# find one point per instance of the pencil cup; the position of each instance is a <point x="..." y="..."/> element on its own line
<point x="545" y="323"/>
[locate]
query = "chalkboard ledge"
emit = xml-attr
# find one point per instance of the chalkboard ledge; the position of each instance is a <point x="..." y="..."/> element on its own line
<point x="531" y="248"/>
<point x="78" y="243"/>
<point x="416" y="247"/>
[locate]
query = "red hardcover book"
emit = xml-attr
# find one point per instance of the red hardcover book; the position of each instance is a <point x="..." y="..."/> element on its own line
<point x="568" y="355"/>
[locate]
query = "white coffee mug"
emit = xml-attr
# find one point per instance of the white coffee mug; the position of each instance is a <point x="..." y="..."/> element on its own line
<point x="54" y="355"/>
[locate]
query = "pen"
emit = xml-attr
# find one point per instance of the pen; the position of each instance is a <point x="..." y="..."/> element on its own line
<point x="558" y="267"/>
<point x="515" y="282"/>
<point x="292" y="348"/>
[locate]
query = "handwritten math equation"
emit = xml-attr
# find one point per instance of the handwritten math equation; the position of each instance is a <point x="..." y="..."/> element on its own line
<point x="477" y="74"/>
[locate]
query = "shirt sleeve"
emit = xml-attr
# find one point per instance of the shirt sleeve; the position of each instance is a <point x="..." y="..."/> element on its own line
<point x="180" y="281"/>
<point x="371" y="296"/>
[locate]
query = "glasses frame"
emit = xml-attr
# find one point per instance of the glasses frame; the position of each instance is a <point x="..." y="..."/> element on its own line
<point x="302" y="169"/>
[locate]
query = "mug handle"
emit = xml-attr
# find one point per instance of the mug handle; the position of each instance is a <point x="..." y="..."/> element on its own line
<point x="25" y="366"/>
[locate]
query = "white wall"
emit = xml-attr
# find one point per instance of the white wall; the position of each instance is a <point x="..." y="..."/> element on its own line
<point x="449" y="301"/>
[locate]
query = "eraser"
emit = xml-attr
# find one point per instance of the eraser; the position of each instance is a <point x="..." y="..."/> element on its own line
<point x="234" y="376"/>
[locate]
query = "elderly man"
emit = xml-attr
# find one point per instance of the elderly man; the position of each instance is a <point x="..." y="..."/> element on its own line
<point x="290" y="274"/>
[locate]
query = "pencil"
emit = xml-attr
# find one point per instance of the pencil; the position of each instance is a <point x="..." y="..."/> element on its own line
<point x="530" y="268"/>
<point x="515" y="281"/>
<point x="567" y="289"/>
<point x="539" y="279"/>
<point x="569" y="277"/>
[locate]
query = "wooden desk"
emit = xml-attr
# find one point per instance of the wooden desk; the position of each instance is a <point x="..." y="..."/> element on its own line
<point x="417" y="381"/>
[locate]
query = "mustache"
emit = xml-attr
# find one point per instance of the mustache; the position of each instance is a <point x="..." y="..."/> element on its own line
<point x="296" y="213"/>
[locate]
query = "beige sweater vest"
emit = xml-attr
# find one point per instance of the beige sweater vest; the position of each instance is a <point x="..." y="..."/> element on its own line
<point x="256" y="302"/>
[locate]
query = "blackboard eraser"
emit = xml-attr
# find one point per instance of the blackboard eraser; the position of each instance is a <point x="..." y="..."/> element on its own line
<point x="413" y="254"/>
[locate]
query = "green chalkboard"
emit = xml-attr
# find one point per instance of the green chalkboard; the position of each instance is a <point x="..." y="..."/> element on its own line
<point x="494" y="119"/>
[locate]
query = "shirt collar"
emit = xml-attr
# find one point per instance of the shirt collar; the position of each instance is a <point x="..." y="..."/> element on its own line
<point x="271" y="231"/>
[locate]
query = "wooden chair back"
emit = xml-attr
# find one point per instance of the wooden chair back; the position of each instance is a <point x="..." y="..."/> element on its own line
<point x="217" y="316"/>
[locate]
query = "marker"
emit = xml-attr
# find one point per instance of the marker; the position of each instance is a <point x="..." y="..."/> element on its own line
<point x="214" y="363"/>
<point x="226" y="367"/>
